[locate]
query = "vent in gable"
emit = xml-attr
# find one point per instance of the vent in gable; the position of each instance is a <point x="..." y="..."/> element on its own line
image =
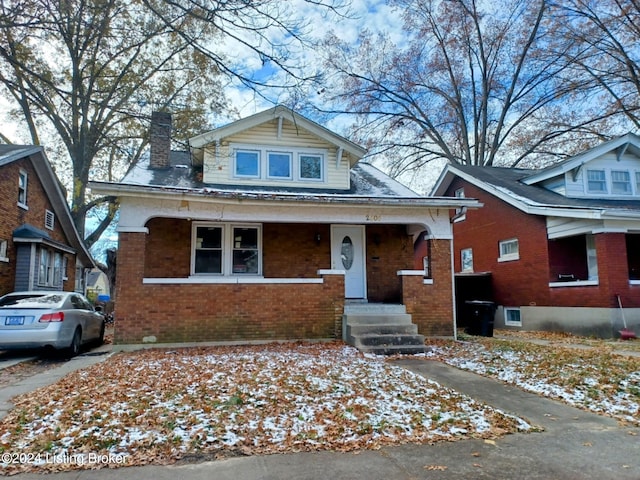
<point x="49" y="219"/>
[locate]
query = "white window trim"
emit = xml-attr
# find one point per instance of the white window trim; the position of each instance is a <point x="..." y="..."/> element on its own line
<point x="23" y="173"/>
<point x="512" y="323"/>
<point x="623" y="194"/>
<point x="227" y="249"/>
<point x="263" y="159"/>
<point x="508" y="257"/>
<point x="606" y="183"/>
<point x="51" y="279"/>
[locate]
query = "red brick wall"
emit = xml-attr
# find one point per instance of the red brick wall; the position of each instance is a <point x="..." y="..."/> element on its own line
<point x="431" y="305"/>
<point x="520" y="282"/>
<point x="12" y="216"/>
<point x="526" y="281"/>
<point x="219" y="312"/>
<point x="389" y="249"/>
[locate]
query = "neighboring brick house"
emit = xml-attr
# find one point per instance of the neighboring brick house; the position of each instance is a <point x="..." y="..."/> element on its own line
<point x="560" y="246"/>
<point x="264" y="230"/>
<point x="40" y="248"/>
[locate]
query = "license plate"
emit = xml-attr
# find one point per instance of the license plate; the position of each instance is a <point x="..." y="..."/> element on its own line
<point x="14" y="321"/>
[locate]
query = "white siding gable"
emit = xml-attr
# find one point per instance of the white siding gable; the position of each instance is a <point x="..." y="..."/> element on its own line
<point x="282" y="137"/>
<point x="605" y="177"/>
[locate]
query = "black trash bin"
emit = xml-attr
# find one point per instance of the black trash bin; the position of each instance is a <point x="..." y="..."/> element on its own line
<point x="480" y="317"/>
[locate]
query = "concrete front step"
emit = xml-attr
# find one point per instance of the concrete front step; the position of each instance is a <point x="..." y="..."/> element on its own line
<point x="390" y="344"/>
<point x="380" y="329"/>
<point x="377" y="318"/>
<point x="373" y="308"/>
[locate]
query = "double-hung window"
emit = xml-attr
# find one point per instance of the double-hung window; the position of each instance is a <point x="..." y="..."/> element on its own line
<point x="23" y="179"/>
<point x="596" y="181"/>
<point x="226" y="249"/>
<point x="620" y="182"/>
<point x="50" y="271"/>
<point x="509" y="250"/>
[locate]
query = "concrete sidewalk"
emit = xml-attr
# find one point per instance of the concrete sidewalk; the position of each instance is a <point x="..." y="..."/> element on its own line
<point x="574" y="445"/>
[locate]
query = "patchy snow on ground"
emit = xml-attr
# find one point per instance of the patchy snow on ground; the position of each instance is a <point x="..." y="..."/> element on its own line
<point x="595" y="378"/>
<point x="156" y="406"/>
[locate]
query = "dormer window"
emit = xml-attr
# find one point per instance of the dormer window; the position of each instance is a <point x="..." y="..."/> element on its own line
<point x="279" y="165"/>
<point x="620" y="182"/>
<point x="597" y="181"/>
<point x="247" y="163"/>
<point x="288" y="164"/>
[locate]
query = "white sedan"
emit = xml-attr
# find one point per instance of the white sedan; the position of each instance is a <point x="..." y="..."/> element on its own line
<point x="59" y="320"/>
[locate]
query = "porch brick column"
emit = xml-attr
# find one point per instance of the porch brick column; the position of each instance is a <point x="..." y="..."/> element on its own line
<point x="613" y="269"/>
<point x="129" y="288"/>
<point x="431" y="304"/>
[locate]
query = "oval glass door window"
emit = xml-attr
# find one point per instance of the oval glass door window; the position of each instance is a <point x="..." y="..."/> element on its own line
<point x="346" y="253"/>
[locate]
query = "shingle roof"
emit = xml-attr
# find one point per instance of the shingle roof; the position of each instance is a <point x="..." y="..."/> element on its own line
<point x="510" y="180"/>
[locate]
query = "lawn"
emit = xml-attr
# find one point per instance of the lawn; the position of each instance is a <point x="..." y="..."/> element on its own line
<point x="583" y="372"/>
<point x="157" y="406"/>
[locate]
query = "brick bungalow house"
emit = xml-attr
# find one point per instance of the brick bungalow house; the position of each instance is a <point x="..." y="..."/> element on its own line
<point x="558" y="248"/>
<point x="40" y="248"/>
<point x="266" y="229"/>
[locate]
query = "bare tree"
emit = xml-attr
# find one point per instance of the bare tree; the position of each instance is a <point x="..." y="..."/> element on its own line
<point x="609" y="32"/>
<point x="83" y="68"/>
<point x="472" y="82"/>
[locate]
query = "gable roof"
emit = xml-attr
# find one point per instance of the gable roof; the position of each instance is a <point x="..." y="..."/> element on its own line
<point x="51" y="185"/>
<point x="629" y="142"/>
<point x="509" y="185"/>
<point x="277" y="112"/>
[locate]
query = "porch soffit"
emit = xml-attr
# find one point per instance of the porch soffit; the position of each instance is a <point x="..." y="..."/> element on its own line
<point x="134" y="213"/>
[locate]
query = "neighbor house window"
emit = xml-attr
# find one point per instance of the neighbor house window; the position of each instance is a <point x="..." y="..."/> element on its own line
<point x="509" y="250"/>
<point x="620" y="182"/>
<point x="596" y="181"/>
<point x="310" y="167"/>
<point x="279" y="165"/>
<point x="637" y="183"/>
<point x="466" y="259"/>
<point x="512" y="317"/>
<point x="50" y="268"/>
<point x="22" y="188"/>
<point x="247" y="163"/>
<point x="3" y="251"/>
<point x="226" y="250"/>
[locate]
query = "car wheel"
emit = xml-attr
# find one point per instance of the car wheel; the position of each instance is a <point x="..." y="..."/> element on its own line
<point x="100" y="340"/>
<point x="74" y="348"/>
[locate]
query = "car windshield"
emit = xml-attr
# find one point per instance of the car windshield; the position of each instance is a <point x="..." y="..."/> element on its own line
<point x="32" y="301"/>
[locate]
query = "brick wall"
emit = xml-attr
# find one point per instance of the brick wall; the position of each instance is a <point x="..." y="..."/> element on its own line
<point x="431" y="305"/>
<point x="219" y="312"/>
<point x="521" y="282"/>
<point x="526" y="281"/>
<point x="12" y="216"/>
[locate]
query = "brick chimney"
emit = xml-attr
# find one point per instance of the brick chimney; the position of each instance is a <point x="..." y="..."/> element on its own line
<point x="160" y="140"/>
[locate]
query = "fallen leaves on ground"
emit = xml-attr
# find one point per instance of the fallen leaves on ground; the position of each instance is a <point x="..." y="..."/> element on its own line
<point x="156" y="406"/>
<point x="593" y="378"/>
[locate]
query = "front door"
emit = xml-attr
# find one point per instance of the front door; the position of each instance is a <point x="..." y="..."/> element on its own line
<point x="347" y="253"/>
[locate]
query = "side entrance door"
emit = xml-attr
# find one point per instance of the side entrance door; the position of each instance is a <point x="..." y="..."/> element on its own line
<point x="348" y="254"/>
